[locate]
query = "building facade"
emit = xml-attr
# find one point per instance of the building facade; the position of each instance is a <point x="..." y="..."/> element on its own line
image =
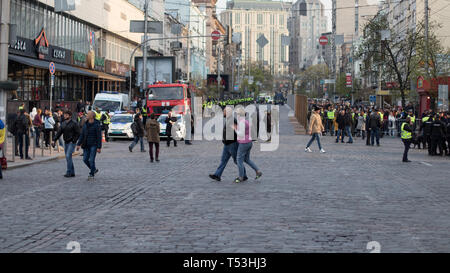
<point x="305" y="31"/>
<point x="254" y="19"/>
<point x="91" y="52"/>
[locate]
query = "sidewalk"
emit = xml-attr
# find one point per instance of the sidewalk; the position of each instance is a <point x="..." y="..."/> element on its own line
<point x="39" y="157"/>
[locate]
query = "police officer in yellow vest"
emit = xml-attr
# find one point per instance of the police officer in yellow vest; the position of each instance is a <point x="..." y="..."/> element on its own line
<point x="330" y="115"/>
<point x="406" y="133"/>
<point x="413" y="119"/>
<point x="106" y="120"/>
<point x="98" y="114"/>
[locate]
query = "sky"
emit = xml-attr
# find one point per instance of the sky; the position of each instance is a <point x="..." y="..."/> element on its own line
<point x="221" y="4"/>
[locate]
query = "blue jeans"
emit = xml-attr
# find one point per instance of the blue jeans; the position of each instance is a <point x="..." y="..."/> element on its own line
<point x="243" y="155"/>
<point x="135" y="141"/>
<point x="23" y="137"/>
<point x="229" y="150"/>
<point x="314" y="136"/>
<point x="68" y="150"/>
<point x="89" y="158"/>
<point x="349" y="133"/>
<point x="375" y="132"/>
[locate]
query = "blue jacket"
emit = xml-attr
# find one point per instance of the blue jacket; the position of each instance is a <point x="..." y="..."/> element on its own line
<point x="91" y="135"/>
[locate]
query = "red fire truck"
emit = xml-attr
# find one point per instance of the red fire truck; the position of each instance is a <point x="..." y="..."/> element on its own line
<point x="163" y="97"/>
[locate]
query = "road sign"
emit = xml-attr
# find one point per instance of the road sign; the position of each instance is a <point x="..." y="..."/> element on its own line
<point x="329" y="81"/>
<point x="262" y="41"/>
<point x="215" y="35"/>
<point x="373" y="98"/>
<point x="348" y="79"/>
<point x="323" y="40"/>
<point x="52" y="82"/>
<point x="155" y="27"/>
<point x="52" y="68"/>
<point x="236" y="37"/>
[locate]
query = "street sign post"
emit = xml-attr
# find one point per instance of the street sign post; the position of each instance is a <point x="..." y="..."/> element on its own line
<point x="52" y="70"/>
<point x="215" y="35"/>
<point x="323" y="40"/>
<point x="262" y="41"/>
<point x="155" y="27"/>
<point x="348" y="79"/>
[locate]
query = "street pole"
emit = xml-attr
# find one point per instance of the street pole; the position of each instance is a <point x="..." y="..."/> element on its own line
<point x="189" y="54"/>
<point x="333" y="37"/>
<point x="144" y="69"/>
<point x="218" y="72"/>
<point x="426" y="37"/>
<point x="4" y="43"/>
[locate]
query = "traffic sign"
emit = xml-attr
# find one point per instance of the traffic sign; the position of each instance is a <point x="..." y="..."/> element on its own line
<point x="262" y="41"/>
<point x="52" y="68"/>
<point x="348" y="79"/>
<point x="215" y="35"/>
<point x="373" y="98"/>
<point x="323" y="40"/>
<point x="52" y="82"/>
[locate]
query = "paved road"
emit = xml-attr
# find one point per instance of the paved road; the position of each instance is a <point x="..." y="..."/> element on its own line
<point x="334" y="202"/>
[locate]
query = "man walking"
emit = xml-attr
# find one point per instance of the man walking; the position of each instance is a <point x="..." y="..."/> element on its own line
<point x="71" y="132"/>
<point x="230" y="145"/>
<point x="348" y="120"/>
<point x="341" y="127"/>
<point x="315" y="129"/>
<point x="138" y="131"/>
<point x="91" y="142"/>
<point x="23" y="125"/>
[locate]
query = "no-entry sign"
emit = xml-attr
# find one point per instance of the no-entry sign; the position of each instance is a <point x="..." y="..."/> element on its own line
<point x="323" y="40"/>
<point x="215" y="35"/>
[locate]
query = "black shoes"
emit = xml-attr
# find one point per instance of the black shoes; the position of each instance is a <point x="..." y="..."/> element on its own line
<point x="69" y="175"/>
<point x="129" y="149"/>
<point x="406" y="161"/>
<point x="214" y="177"/>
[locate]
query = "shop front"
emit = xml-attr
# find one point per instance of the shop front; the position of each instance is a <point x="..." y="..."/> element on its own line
<point x="28" y="65"/>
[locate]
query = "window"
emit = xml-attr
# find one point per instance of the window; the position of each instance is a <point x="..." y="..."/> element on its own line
<point x="259" y="19"/>
<point x="237" y="18"/>
<point x="281" y="20"/>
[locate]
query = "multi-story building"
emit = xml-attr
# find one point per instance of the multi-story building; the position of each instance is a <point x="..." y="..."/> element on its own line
<point x="408" y="14"/>
<point x="212" y="24"/>
<point x="305" y="31"/>
<point x="254" y="19"/>
<point x="91" y="47"/>
<point x="350" y="21"/>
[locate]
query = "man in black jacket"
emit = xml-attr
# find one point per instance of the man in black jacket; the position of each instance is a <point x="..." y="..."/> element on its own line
<point x="170" y="120"/>
<point x="375" y="125"/>
<point x="71" y="132"/>
<point x="341" y="126"/>
<point x="437" y="134"/>
<point x="138" y="131"/>
<point x="230" y="145"/>
<point x="447" y="135"/>
<point x="23" y="133"/>
<point x="91" y="142"/>
<point x="11" y="121"/>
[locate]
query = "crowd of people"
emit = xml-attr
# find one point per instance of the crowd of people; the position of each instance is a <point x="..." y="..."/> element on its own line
<point x="430" y="130"/>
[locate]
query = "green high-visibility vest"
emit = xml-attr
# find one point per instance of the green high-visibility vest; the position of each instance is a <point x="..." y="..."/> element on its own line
<point x="425" y="119"/>
<point x="413" y="118"/>
<point x="405" y="134"/>
<point x="107" y="121"/>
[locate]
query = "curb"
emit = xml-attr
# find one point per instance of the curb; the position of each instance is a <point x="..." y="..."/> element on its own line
<point x="38" y="162"/>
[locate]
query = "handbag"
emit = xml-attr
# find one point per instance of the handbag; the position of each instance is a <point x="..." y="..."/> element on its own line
<point x="3" y="161"/>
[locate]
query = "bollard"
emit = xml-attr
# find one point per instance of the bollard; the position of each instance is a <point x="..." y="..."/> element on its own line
<point x="51" y="139"/>
<point x="34" y="145"/>
<point x="13" y="148"/>
<point x="42" y="143"/>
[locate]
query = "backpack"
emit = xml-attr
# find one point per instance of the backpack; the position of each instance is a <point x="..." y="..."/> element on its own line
<point x="134" y="129"/>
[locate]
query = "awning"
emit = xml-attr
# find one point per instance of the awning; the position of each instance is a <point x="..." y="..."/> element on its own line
<point x="45" y="65"/>
<point x="104" y="76"/>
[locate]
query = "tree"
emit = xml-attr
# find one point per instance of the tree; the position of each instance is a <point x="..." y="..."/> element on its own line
<point x="395" y="56"/>
<point x="311" y="77"/>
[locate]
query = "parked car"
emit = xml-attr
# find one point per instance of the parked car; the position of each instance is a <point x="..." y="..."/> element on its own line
<point x="181" y="123"/>
<point x="120" y="126"/>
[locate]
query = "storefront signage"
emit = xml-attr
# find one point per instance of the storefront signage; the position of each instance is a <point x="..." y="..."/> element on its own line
<point x="42" y="45"/>
<point x="19" y="45"/>
<point x="116" y="68"/>
<point x="79" y="59"/>
<point x="59" y="54"/>
<point x="99" y="64"/>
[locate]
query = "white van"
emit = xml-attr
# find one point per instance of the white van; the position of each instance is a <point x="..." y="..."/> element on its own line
<point x="112" y="101"/>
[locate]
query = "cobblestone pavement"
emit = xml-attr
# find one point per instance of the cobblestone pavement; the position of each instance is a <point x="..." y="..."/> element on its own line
<point x="333" y="202"/>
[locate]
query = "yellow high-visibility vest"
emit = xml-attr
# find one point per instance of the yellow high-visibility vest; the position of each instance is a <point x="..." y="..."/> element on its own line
<point x="405" y="134"/>
<point x="330" y="114"/>
<point x="98" y="116"/>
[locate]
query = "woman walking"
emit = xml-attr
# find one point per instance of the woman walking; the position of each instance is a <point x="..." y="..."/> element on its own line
<point x="244" y="148"/>
<point x="49" y="124"/>
<point x="152" y="129"/>
<point x="315" y="129"/>
<point x="37" y="124"/>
